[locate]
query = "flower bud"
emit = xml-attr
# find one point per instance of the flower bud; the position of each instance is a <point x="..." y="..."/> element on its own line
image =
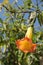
<point x="29" y="32"/>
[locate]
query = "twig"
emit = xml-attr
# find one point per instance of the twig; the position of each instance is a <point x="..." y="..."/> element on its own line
<point x="17" y="11"/>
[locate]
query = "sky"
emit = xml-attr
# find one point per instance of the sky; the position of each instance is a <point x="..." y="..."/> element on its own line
<point x="19" y="3"/>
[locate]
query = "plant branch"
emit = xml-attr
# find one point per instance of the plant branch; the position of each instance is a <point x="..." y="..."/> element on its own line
<point x="16" y="11"/>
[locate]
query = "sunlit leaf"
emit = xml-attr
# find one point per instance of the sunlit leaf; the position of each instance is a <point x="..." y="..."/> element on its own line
<point x="5" y="2"/>
<point x="40" y="18"/>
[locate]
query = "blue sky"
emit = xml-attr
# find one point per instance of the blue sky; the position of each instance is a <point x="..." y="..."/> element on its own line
<point x="19" y="3"/>
<point x="1" y="13"/>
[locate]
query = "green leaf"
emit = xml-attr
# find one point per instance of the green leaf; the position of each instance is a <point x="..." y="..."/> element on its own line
<point x="41" y="0"/>
<point x="27" y="3"/>
<point x="7" y="14"/>
<point x="40" y="18"/>
<point x="1" y="20"/>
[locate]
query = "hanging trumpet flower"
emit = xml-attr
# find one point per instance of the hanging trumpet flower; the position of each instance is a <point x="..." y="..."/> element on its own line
<point x="26" y="45"/>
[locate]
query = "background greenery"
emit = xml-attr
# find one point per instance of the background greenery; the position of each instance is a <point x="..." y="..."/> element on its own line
<point x="14" y="27"/>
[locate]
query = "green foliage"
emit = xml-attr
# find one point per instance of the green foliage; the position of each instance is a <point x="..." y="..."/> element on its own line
<point x="40" y="18"/>
<point x="28" y="3"/>
<point x="14" y="27"/>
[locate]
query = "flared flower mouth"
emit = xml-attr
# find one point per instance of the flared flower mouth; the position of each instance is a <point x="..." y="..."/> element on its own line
<point x="26" y="45"/>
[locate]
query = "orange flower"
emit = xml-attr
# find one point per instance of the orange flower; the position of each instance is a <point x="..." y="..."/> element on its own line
<point x="26" y="45"/>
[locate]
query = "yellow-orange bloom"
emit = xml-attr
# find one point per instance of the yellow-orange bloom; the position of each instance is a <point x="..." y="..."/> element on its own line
<point x="26" y="45"/>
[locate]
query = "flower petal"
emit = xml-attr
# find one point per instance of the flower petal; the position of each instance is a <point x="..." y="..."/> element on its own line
<point x="26" y="45"/>
<point x="33" y="48"/>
